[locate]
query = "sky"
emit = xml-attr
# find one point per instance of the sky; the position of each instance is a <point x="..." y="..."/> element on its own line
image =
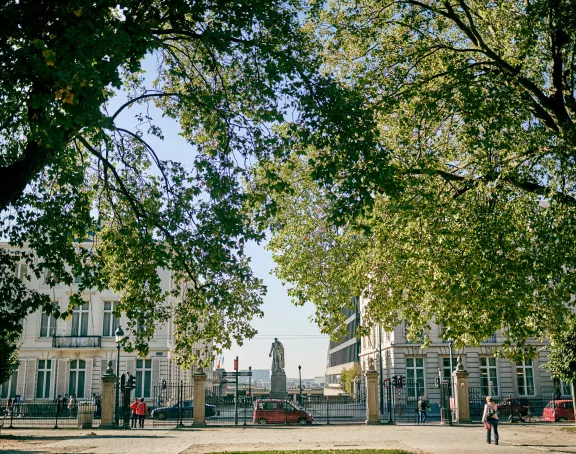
<point x="303" y="343"/>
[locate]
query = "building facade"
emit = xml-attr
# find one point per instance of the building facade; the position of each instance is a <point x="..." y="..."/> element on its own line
<point x="344" y="353"/>
<point x="60" y="357"/>
<point x="488" y="375"/>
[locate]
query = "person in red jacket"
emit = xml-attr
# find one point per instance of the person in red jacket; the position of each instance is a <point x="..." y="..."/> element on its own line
<point x="133" y="407"/>
<point x="141" y="412"/>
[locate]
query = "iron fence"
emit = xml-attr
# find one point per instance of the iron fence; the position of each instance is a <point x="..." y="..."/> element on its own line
<point x="513" y="408"/>
<point x="48" y="414"/>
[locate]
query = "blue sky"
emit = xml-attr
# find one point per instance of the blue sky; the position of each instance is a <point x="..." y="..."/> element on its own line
<point x="303" y="343"/>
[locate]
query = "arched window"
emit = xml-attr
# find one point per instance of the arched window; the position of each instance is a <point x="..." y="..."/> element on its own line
<point x="77" y="377"/>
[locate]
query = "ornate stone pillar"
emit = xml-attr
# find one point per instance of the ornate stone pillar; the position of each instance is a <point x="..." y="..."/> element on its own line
<point x="108" y="380"/>
<point x="460" y="378"/>
<point x="199" y="398"/>
<point x="372" y="410"/>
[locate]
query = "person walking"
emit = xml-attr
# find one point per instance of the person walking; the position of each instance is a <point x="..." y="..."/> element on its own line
<point x="141" y="412"/>
<point x="490" y="419"/>
<point x="71" y="405"/>
<point x="422" y="406"/>
<point x="133" y="407"/>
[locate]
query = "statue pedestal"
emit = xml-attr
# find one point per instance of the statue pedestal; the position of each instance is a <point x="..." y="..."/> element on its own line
<point x="278" y="385"/>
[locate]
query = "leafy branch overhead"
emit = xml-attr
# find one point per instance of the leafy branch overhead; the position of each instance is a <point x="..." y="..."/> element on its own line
<point x="463" y="211"/>
<point x="70" y="170"/>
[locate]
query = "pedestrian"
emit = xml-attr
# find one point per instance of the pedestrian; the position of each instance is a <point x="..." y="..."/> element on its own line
<point x="16" y="404"/>
<point x="141" y="412"/>
<point x="422" y="406"/>
<point x="490" y="419"/>
<point x="58" y="404"/>
<point x="9" y="403"/>
<point x="133" y="407"/>
<point x="71" y="405"/>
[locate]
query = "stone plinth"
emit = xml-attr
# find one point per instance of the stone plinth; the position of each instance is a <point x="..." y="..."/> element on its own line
<point x="107" y="421"/>
<point x="372" y="410"/>
<point x="460" y="380"/>
<point x="199" y="399"/>
<point x="278" y="384"/>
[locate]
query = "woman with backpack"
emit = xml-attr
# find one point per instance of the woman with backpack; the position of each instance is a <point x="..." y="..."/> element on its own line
<point x="490" y="419"/>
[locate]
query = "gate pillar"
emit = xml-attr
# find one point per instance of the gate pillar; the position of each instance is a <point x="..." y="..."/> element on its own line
<point x="462" y="398"/>
<point x="372" y="410"/>
<point x="107" y="403"/>
<point x="199" y="399"/>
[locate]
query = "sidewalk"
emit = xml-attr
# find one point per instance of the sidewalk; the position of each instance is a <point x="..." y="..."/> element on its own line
<point x="533" y="438"/>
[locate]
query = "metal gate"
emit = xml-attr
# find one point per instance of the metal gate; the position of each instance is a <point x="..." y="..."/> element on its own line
<point x="173" y="404"/>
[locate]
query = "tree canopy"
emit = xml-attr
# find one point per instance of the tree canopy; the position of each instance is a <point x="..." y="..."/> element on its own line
<point x="229" y="73"/>
<point x="463" y="212"/>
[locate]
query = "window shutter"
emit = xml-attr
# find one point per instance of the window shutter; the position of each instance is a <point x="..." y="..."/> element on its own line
<point x="131" y="366"/>
<point x="88" y="378"/>
<point x="30" y="379"/>
<point x="155" y="372"/>
<point x="61" y="375"/>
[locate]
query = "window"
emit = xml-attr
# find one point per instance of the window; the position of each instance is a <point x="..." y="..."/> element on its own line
<point x="8" y="388"/>
<point x="110" y="322"/>
<point x="43" y="381"/>
<point x="47" y="325"/>
<point x="415" y="377"/>
<point x="80" y="320"/>
<point x="20" y="271"/>
<point x="525" y="378"/>
<point x="143" y="377"/>
<point x="77" y="378"/>
<point x="489" y="377"/>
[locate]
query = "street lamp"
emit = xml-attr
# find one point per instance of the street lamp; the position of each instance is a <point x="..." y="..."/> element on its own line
<point x="300" y="377"/>
<point x="119" y="338"/>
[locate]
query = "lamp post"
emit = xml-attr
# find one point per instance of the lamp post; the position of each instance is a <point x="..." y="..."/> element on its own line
<point x="300" y="377"/>
<point x="119" y="337"/>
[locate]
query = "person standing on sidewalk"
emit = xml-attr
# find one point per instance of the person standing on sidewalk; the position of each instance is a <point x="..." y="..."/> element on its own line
<point x="422" y="406"/>
<point x="133" y="407"/>
<point x="141" y="412"/>
<point x="490" y="419"/>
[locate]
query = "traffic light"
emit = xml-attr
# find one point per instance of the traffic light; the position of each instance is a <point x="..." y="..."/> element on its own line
<point x="131" y="383"/>
<point x="395" y="381"/>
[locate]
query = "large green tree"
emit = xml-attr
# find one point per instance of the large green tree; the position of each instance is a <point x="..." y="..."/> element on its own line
<point x="228" y="72"/>
<point x="463" y="211"/>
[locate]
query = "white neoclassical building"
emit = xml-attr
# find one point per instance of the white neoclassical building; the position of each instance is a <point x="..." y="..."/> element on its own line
<point x="60" y="357"/>
<point x="488" y="375"/>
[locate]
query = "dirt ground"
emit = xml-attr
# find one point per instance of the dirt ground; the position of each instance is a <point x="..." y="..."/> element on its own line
<point x="519" y="438"/>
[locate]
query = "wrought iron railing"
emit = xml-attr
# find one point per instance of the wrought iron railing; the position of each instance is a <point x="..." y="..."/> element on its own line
<point x="76" y="341"/>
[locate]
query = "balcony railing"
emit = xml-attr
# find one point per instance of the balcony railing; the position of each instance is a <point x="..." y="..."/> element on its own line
<point x="76" y="341"/>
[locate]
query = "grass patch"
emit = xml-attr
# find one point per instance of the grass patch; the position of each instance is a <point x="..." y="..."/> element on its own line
<point x="331" y="451"/>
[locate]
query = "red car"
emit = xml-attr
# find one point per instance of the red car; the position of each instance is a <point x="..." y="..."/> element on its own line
<point x="276" y="411"/>
<point x="558" y="410"/>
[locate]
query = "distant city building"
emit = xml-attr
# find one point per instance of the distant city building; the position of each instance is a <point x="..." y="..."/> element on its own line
<point x="70" y="356"/>
<point x="344" y="353"/>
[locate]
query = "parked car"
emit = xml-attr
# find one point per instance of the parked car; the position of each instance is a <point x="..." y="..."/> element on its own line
<point x="515" y="407"/>
<point x="187" y="411"/>
<point x="276" y="411"/>
<point x="558" y="410"/>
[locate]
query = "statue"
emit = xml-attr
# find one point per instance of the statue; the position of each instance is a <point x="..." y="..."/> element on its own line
<point x="277" y="355"/>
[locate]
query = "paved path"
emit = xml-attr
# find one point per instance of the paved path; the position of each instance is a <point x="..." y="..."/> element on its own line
<point x="527" y="439"/>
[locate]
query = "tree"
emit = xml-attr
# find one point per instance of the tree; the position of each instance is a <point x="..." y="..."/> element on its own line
<point x="562" y="357"/>
<point x="69" y="171"/>
<point x="347" y="376"/>
<point x="463" y="212"/>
